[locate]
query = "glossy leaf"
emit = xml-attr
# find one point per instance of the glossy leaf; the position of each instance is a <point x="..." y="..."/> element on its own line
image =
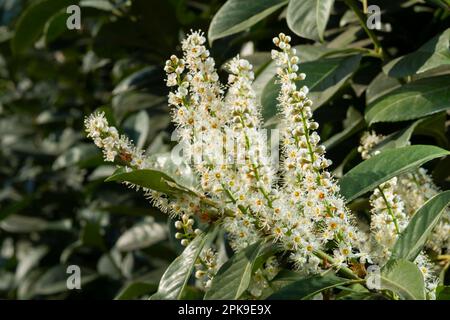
<point x="413" y="237"/>
<point x="324" y="78"/>
<point x="434" y="53"/>
<point x="309" y="18"/>
<point x="390" y="163"/>
<point x="411" y="101"/>
<point x="237" y="15"/>
<point x="234" y="277"/>
<point x="404" y="278"/>
<point x="32" y="22"/>
<point x="141" y="236"/>
<point x="137" y="127"/>
<point x="178" y="273"/>
<point x="380" y="85"/>
<point x="147" y="178"/>
<point x="306" y="287"/>
<point x="135" y="290"/>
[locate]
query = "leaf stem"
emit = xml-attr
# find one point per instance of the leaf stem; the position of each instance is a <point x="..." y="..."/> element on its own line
<point x="344" y="271"/>
<point x="388" y="206"/>
<point x="363" y="21"/>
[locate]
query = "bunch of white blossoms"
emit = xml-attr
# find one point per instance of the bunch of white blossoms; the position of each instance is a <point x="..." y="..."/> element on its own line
<point x="223" y="140"/>
<point x="239" y="187"/>
<point x="393" y="204"/>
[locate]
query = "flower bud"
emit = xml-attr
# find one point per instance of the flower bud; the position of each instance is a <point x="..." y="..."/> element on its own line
<point x="178" y="224"/>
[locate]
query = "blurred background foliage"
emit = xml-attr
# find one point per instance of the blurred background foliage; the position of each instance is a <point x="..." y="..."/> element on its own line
<point x="55" y="209"/>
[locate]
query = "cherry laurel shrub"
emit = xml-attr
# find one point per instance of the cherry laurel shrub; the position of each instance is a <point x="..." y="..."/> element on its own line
<point x="291" y="230"/>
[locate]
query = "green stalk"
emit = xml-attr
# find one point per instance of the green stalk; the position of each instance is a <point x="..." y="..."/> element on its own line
<point x="363" y="20"/>
<point x="344" y="271"/>
<point x="388" y="206"/>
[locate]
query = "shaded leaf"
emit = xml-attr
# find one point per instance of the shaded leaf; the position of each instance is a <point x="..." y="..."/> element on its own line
<point x="380" y="85"/>
<point x="233" y="278"/>
<point x="434" y="53"/>
<point x="32" y="22"/>
<point x="443" y="293"/>
<point x="354" y="121"/>
<point x="304" y="288"/>
<point x="135" y="290"/>
<point x="137" y="127"/>
<point x="324" y="78"/>
<point x="411" y="101"/>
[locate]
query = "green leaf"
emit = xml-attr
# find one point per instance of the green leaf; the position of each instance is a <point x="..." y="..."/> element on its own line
<point x="178" y="273"/>
<point x="443" y="293"/>
<point x="306" y="53"/>
<point x="354" y="121"/>
<point x="404" y="278"/>
<point x="324" y="78"/>
<point x="237" y="15"/>
<point x="182" y="173"/>
<point x="283" y="278"/>
<point x="16" y="223"/>
<point x="147" y="178"/>
<point x="413" y="238"/>
<point x="233" y="278"/>
<point x="32" y="22"/>
<point x="30" y="261"/>
<point x="308" y="19"/>
<point x="54" y="280"/>
<point x="130" y="101"/>
<point x="138" y="80"/>
<point x="381" y="85"/>
<point x="83" y="154"/>
<point x="137" y="127"/>
<point x="55" y="27"/>
<point x="91" y="235"/>
<point x="434" y="53"/>
<point x="141" y="236"/>
<point x="398" y="139"/>
<point x="414" y="100"/>
<point x="135" y="290"/>
<point x="304" y="288"/>
<point x="104" y="5"/>
<point x="15" y="207"/>
<point x="390" y="163"/>
<point x="434" y="126"/>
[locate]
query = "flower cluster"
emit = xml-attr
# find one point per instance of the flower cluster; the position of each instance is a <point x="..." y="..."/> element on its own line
<point x="113" y="145"/>
<point x="222" y="138"/>
<point x="393" y="203"/>
<point x="314" y="213"/>
<point x="388" y="220"/>
<point x="120" y="149"/>
<point x="299" y="207"/>
<point x="207" y="266"/>
<point x="262" y="277"/>
<point x="411" y="190"/>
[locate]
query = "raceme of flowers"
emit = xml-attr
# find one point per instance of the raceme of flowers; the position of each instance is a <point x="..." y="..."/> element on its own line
<point x="219" y="128"/>
<point x="393" y="204"/>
